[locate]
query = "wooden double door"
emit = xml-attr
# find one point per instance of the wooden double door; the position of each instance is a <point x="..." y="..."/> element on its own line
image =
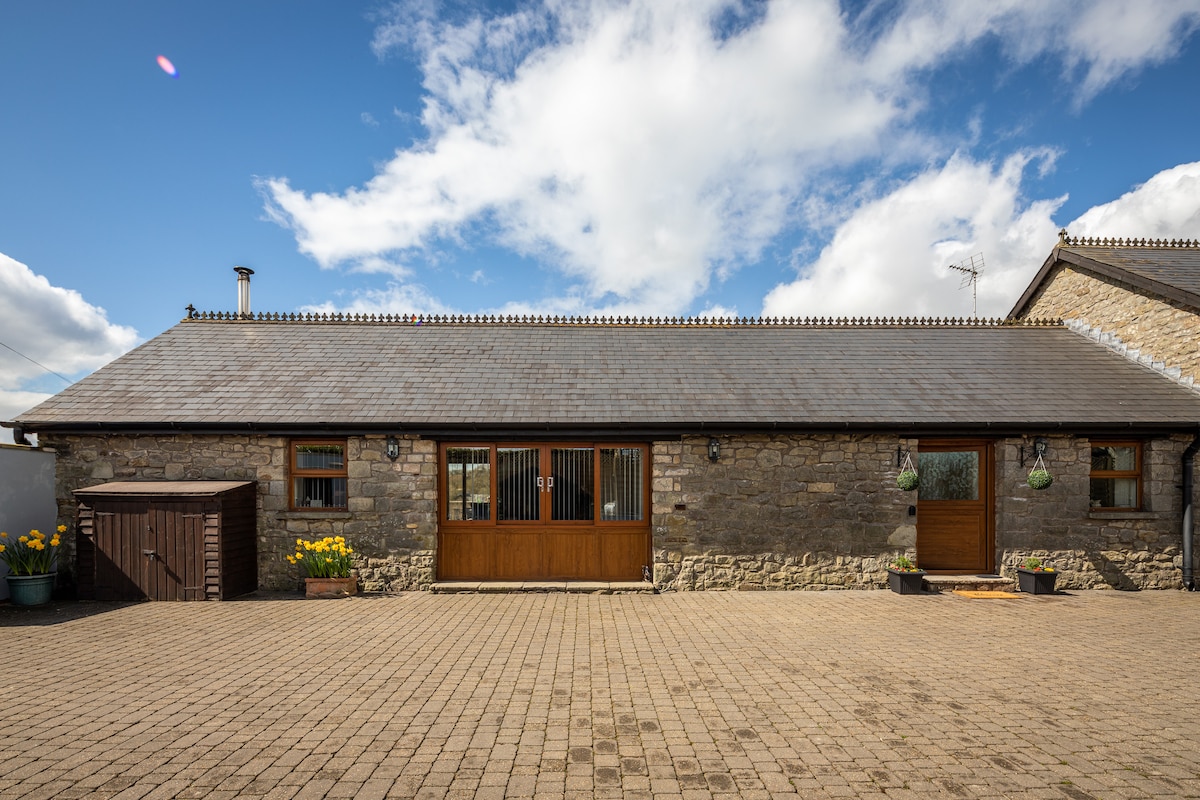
<point x="543" y="511"/>
<point x="151" y="551"/>
<point x="955" y="506"/>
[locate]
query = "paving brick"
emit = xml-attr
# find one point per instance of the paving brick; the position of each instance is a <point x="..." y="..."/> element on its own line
<point x="840" y="694"/>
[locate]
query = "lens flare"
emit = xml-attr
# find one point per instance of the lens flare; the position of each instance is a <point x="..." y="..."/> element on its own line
<point x="168" y="67"/>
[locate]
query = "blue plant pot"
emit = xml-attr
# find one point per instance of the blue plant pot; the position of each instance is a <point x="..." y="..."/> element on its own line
<point x="30" y="590"/>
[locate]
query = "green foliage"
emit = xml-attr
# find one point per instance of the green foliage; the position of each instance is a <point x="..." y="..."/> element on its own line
<point x="323" y="558"/>
<point x="1040" y="479"/>
<point x="32" y="554"/>
<point x="907" y="480"/>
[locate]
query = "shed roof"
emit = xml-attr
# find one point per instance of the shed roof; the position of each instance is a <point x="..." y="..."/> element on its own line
<point x="162" y="488"/>
<point x="1168" y="269"/>
<point x="447" y="375"/>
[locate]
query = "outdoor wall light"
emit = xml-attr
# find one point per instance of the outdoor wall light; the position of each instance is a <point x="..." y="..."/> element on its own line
<point x="393" y="448"/>
<point x="714" y="450"/>
<point x="1039" y="447"/>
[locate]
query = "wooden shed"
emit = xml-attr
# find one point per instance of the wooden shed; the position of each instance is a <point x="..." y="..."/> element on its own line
<point x="167" y="540"/>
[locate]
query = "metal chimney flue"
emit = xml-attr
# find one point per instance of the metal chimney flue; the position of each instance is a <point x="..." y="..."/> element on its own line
<point x="244" y="274"/>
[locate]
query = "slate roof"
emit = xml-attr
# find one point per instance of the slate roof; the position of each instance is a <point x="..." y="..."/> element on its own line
<point x="1168" y="269"/>
<point x="448" y="374"/>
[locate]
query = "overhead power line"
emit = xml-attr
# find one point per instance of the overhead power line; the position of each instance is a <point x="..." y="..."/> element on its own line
<point x="43" y="366"/>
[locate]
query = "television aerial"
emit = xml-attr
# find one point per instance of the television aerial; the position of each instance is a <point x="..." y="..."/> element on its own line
<point x="971" y="268"/>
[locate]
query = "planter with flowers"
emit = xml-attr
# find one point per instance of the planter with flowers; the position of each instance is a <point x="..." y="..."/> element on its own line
<point x="904" y="576"/>
<point x="327" y="563"/>
<point x="1035" y="577"/>
<point x="31" y="561"/>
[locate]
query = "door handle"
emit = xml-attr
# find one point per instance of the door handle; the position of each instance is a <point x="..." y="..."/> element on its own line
<point x="549" y="483"/>
<point x="150" y="554"/>
<point x="541" y="484"/>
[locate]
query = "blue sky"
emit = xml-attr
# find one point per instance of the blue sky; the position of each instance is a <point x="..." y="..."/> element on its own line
<point x="642" y="157"/>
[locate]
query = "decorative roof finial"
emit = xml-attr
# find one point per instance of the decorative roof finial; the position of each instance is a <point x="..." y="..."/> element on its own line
<point x="1062" y="236"/>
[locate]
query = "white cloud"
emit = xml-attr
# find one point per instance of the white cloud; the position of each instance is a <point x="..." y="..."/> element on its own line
<point x="395" y="298"/>
<point x="1165" y="207"/>
<point x="52" y="326"/>
<point x="891" y="257"/>
<point x="641" y="152"/>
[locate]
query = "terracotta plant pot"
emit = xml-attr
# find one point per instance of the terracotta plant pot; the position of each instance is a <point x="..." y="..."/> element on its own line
<point x="329" y="588"/>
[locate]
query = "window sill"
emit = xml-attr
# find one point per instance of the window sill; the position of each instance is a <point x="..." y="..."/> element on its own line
<point x="1124" y="515"/>
<point x="313" y="514"/>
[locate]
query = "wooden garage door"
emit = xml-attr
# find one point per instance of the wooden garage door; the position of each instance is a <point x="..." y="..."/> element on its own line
<point x="543" y="511"/>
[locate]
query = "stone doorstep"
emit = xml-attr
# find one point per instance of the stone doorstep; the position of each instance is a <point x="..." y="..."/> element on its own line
<point x="515" y="587"/>
<point x="970" y="583"/>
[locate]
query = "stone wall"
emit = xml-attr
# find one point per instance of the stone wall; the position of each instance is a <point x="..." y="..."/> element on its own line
<point x="823" y="512"/>
<point x="779" y="512"/>
<point x="1092" y="549"/>
<point x="1162" y="329"/>
<point x="390" y="522"/>
<point x="775" y="512"/>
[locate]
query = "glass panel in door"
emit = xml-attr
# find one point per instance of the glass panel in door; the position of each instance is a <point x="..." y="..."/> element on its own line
<point x="468" y="483"/>
<point x="572" y="475"/>
<point x="621" y="483"/>
<point x="948" y="475"/>
<point x="518" y="483"/>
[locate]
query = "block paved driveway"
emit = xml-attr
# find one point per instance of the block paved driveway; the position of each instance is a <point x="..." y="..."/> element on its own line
<point x="833" y="694"/>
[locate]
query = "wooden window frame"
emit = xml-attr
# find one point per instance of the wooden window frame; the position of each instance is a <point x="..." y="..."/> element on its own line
<point x="1114" y="474"/>
<point x="295" y="472"/>
<point x="493" y="446"/>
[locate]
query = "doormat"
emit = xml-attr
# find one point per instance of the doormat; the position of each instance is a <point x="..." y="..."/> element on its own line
<point x="986" y="594"/>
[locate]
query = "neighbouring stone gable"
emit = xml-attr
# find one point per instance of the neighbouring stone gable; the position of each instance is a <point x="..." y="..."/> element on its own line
<point x="391" y="517"/>
<point x="1163" y="329"/>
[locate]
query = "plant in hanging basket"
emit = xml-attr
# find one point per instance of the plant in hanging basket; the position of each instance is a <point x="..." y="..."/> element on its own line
<point x="907" y="480"/>
<point x="1040" y="479"/>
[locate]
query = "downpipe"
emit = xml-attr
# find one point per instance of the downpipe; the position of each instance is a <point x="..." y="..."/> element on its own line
<point x="1189" y="468"/>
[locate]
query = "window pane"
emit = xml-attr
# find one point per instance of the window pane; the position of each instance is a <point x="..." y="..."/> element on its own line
<point x="621" y="483"/>
<point x="468" y="483"/>
<point x="948" y="476"/>
<point x="320" y="492"/>
<point x="573" y="471"/>
<point x="1114" y="458"/>
<point x="319" y="456"/>
<point x="1114" y="493"/>
<point x="517" y="488"/>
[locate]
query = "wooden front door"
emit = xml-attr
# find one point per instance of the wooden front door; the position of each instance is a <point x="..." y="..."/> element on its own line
<point x="560" y="511"/>
<point x="955" y="507"/>
<point x="151" y="551"/>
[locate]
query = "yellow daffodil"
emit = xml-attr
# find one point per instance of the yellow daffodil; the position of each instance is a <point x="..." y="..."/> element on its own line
<point x="327" y="557"/>
<point x="62" y="528"/>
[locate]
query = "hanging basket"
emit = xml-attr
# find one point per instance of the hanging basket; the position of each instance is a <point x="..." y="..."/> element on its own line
<point x="1039" y="479"/>
<point x="907" y="479"/>
<point x="1039" y="476"/>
